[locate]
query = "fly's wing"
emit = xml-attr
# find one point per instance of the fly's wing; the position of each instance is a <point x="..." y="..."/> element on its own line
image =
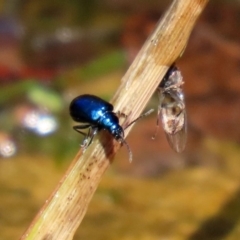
<point x="173" y="116"/>
<point x="177" y="140"/>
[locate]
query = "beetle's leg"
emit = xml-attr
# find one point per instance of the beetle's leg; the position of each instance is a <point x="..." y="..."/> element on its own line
<point x="88" y="137"/>
<point x="85" y="142"/>
<point x="91" y="133"/>
<point x="78" y="127"/>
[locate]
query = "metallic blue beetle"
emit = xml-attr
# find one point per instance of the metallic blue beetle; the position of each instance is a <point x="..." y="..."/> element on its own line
<point x="97" y="114"/>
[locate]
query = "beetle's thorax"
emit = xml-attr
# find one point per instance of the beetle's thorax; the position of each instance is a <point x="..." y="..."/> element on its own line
<point x="110" y="122"/>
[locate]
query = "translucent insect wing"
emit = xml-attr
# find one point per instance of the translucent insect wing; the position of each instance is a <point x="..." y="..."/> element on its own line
<point x="172" y="113"/>
<point x="177" y="140"/>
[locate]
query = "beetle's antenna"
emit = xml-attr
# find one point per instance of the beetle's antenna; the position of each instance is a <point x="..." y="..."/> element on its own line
<point x="141" y="116"/>
<point x="123" y="140"/>
<point x="128" y="148"/>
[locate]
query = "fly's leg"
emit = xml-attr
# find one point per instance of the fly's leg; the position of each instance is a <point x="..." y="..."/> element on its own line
<point x="157" y="125"/>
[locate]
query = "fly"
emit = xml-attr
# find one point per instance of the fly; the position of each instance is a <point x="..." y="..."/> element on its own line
<point x="171" y="109"/>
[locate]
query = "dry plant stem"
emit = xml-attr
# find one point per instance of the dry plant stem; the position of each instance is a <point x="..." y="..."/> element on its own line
<point x="64" y="210"/>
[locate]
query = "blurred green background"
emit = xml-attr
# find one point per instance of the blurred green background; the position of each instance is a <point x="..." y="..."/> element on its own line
<point x="53" y="51"/>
